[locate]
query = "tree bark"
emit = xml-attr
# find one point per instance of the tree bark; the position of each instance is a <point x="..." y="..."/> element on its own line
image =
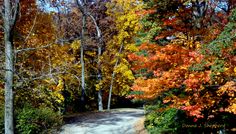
<point x="112" y="78"/>
<point x="82" y="7"/>
<point x="82" y="62"/>
<point x="99" y="36"/>
<point x="100" y="105"/>
<point x="9" y="18"/>
<point x="8" y="84"/>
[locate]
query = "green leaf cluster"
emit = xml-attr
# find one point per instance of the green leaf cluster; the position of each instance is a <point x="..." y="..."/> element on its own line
<point x="30" y="120"/>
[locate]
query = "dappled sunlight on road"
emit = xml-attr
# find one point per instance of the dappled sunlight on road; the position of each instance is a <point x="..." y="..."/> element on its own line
<point x="118" y="121"/>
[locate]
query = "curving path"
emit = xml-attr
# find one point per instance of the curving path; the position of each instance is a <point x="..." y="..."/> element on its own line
<point x="118" y="121"/>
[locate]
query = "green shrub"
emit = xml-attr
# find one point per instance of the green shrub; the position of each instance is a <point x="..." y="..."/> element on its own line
<point x="160" y="119"/>
<point x="159" y="122"/>
<point x="30" y="120"/>
<point x="37" y="97"/>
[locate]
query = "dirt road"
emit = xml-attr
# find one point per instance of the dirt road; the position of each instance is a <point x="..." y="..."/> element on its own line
<point x="118" y="121"/>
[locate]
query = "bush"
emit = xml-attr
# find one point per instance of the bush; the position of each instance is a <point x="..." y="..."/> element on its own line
<point x="37" y="115"/>
<point x="162" y="120"/>
<point x="37" y="97"/>
<point x="30" y="120"/>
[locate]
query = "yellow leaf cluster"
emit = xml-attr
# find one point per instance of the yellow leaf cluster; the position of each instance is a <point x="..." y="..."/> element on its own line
<point x="230" y="89"/>
<point x="232" y="108"/>
<point x="75" y="45"/>
<point x="126" y="20"/>
<point x="60" y="85"/>
<point x="58" y="97"/>
<point x="131" y="48"/>
<point x="124" y="71"/>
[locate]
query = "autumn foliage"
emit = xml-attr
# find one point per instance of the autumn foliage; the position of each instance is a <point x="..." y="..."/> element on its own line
<point x="197" y="63"/>
<point x="69" y="55"/>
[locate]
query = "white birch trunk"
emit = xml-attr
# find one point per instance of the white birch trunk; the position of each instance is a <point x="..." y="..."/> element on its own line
<point x="9" y="18"/>
<point x="112" y="78"/>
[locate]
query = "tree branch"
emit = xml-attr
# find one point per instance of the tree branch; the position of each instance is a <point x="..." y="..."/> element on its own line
<point x="34" y="22"/>
<point x="31" y="49"/>
<point x="15" y="13"/>
<point x="96" y="25"/>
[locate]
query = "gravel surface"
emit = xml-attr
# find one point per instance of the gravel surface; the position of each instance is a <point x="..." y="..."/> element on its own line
<point x="118" y="121"/>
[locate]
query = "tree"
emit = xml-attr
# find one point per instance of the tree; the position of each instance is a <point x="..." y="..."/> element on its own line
<point x="83" y="9"/>
<point x="194" y="73"/>
<point x="85" y="14"/>
<point x="127" y="25"/>
<point x="89" y="36"/>
<point x="11" y="10"/>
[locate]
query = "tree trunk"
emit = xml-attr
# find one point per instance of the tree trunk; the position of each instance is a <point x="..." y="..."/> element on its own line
<point x="9" y="19"/>
<point x="99" y="36"/>
<point x="8" y="84"/>
<point x="100" y="105"/>
<point x="112" y="78"/>
<point x="82" y="62"/>
<point x="83" y="9"/>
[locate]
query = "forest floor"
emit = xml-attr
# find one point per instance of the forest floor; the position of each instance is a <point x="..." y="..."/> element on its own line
<point x="116" y="121"/>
